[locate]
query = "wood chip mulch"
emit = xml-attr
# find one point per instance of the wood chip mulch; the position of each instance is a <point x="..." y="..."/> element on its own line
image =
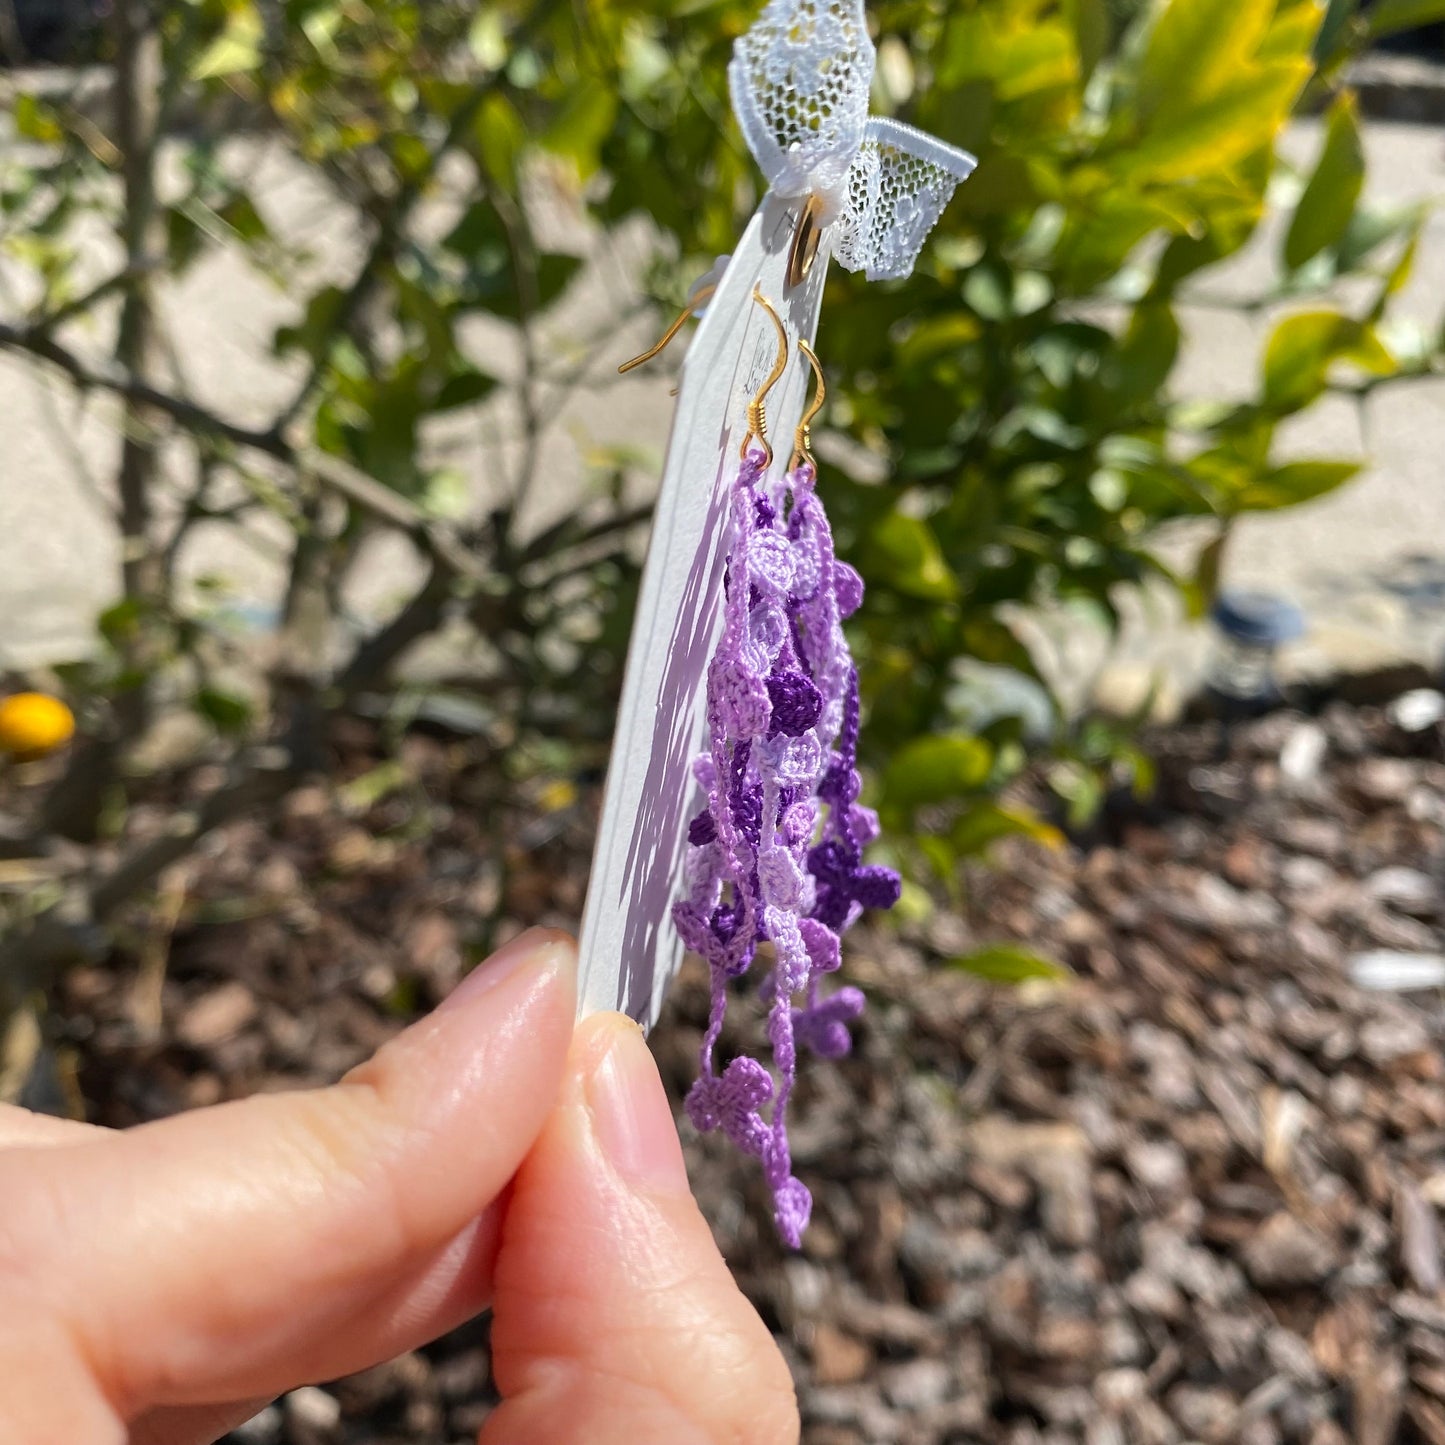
<point x="1192" y="1195"/>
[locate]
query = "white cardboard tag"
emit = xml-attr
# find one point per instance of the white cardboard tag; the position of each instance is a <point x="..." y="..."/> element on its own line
<point x="629" y="947"/>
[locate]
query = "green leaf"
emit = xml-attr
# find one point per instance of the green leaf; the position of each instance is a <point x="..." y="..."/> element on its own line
<point x="1098" y="244"/>
<point x="184" y="238"/>
<point x="1015" y="59"/>
<point x="1241" y="116"/>
<point x="462" y="389"/>
<point x="235" y="50"/>
<point x="582" y="125"/>
<point x="1390" y="17"/>
<point x="1398" y="275"/>
<point x="988" y="291"/>
<point x="1196" y="49"/>
<point x="1080" y="787"/>
<point x="387" y="445"/>
<point x="1337" y="17"/>
<point x="448" y="494"/>
<point x="555" y="271"/>
<point x="227" y="712"/>
<point x="1293" y="483"/>
<point x="938" y="855"/>
<point x="36" y="121"/>
<point x="1293" y="31"/>
<point x="1303" y="347"/>
<point x="906" y="556"/>
<point x="1147" y="352"/>
<point x="1370" y="227"/>
<point x="372" y="787"/>
<point x="939" y="336"/>
<point x="1089" y="20"/>
<point x="936" y="769"/>
<point x="985" y="823"/>
<point x="479" y="238"/>
<point x="241" y="215"/>
<point x="121" y="622"/>
<point x="320" y="26"/>
<point x="500" y="138"/>
<point x="487" y="39"/>
<point x="1009" y="963"/>
<point x="411" y="157"/>
<point x="1044" y="424"/>
<point x="1039" y="58"/>
<point x="915" y="904"/>
<point x="317" y="330"/>
<point x="1328" y="202"/>
<point x="1002" y="188"/>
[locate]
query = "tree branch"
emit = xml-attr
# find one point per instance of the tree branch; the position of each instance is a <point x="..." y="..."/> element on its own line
<point x="137" y="90"/>
<point x="563" y="539"/>
<point x="441" y="542"/>
<point x="51" y="320"/>
<point x="522" y="252"/>
<point x="421" y="616"/>
<point x="73" y="806"/>
<point x="120" y="381"/>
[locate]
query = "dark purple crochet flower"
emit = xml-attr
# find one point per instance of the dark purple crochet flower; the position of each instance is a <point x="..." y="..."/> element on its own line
<point x="797" y="704"/>
<point x="776" y="856"/>
<point x="824" y="1026"/>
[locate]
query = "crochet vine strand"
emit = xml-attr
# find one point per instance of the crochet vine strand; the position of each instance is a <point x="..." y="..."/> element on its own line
<point x="775" y="856"/>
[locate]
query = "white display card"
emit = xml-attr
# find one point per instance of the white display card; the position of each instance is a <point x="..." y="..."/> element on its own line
<point x="629" y="947"/>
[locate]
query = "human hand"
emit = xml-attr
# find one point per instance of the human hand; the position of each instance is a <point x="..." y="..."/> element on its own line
<point x="159" y="1285"/>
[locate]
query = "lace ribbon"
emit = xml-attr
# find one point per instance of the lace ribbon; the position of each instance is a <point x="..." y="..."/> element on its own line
<point x="799" y="80"/>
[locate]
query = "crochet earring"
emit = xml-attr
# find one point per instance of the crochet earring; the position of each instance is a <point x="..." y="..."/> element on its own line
<point x="775" y="857"/>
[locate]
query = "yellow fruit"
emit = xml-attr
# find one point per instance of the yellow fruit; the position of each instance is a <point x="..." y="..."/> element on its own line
<point x="32" y="724"/>
<point x="556" y="795"/>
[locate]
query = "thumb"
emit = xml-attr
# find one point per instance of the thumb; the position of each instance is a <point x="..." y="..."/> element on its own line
<point x="237" y="1251"/>
<point x="616" y="1321"/>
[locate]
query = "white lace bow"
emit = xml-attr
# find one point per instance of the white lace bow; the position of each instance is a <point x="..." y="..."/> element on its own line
<point x="799" y="81"/>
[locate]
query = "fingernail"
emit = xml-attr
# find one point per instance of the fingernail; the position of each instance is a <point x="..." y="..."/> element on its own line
<point x="630" y="1115"/>
<point x="506" y="961"/>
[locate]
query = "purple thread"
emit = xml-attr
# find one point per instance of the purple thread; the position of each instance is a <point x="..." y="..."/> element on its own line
<point x="777" y="855"/>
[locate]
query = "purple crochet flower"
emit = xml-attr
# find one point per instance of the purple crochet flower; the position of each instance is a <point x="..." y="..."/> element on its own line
<point x="776" y="856"/>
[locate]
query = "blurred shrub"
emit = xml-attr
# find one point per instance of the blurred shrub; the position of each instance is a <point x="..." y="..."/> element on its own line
<point x="1014" y="395"/>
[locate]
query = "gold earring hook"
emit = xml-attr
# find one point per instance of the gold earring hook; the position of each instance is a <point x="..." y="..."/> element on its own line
<point x="671" y="331"/>
<point x="758" y="406"/>
<point x="803" y="436"/>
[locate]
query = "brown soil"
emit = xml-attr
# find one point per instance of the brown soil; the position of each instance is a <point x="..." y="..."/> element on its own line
<point x="1191" y="1196"/>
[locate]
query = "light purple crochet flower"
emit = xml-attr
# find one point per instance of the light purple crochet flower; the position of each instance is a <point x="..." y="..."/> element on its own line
<point x="777" y="854"/>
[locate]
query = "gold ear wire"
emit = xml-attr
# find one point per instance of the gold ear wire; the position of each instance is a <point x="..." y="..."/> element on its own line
<point x="671" y="331"/>
<point x="803" y="436"/>
<point x="757" y="407"/>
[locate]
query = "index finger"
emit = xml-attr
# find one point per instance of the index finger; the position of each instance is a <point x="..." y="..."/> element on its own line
<point x="238" y="1250"/>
